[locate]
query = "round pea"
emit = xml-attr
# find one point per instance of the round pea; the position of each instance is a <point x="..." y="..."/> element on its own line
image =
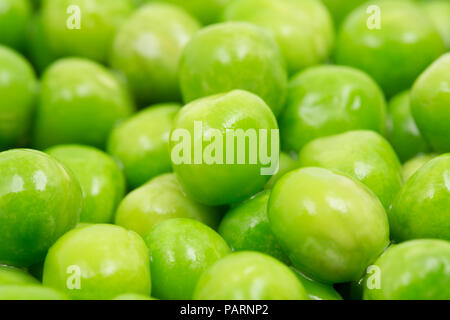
<point x="285" y="165"/>
<point x="317" y="290"/>
<point x="11" y="275"/>
<point x="14" y="18"/>
<point x="30" y="292"/>
<point x="340" y="9"/>
<point x="412" y="166"/>
<point x="439" y="13"/>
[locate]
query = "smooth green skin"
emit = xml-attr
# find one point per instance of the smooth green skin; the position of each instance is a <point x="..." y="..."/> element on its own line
<point x="161" y="199"/>
<point x="133" y="296"/>
<point x="30" y="292"/>
<point x="112" y="261"/>
<point x="99" y="21"/>
<point x="80" y="103"/>
<point x="147" y="50"/>
<point x="249" y="276"/>
<point x="364" y="155"/>
<point x="340" y="9"/>
<point x="402" y="131"/>
<point x="422" y="207"/>
<point x="180" y="251"/>
<point x="385" y="53"/>
<point x="246" y="228"/>
<point x="11" y="275"/>
<point x="413" y="270"/>
<point x="303" y="28"/>
<point x="218" y="184"/>
<point x="14" y="18"/>
<point x="101" y="180"/>
<point x="233" y="55"/>
<point x="410" y="167"/>
<point x="141" y="143"/>
<point x="328" y="100"/>
<point x="285" y="165"/>
<point x="439" y="13"/>
<point x="430" y="101"/>
<point x="207" y="11"/>
<point x="39" y="201"/>
<point x="330" y="225"/>
<point x="317" y="290"/>
<point x="18" y="89"/>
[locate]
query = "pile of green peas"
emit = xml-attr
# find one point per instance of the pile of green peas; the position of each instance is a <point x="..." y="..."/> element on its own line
<point x="94" y="204"/>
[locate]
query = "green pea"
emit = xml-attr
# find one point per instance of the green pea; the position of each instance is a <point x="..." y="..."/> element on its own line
<point x="39" y="201"/>
<point x="439" y="13"/>
<point x="30" y="292"/>
<point x="11" y="275"/>
<point x="412" y="166"/>
<point x="330" y="225"/>
<point x="285" y="165"/>
<point x="14" y="18"/>
<point x="98" y="262"/>
<point x="340" y="9"/>
<point x="317" y="290"/>
<point x="133" y="296"/>
<point x="161" y="199"/>
<point x="180" y="250"/>
<point x="249" y="276"/>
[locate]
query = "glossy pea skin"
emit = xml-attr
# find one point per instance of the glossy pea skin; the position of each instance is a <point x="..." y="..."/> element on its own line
<point x="430" y="100"/>
<point x="141" y="143"/>
<point x="439" y="13"/>
<point x="249" y="275"/>
<point x="14" y="18"/>
<point x="160" y="199"/>
<point x="303" y="29"/>
<point x="101" y="180"/>
<point x="109" y="260"/>
<point x="39" y="201"/>
<point x="402" y="131"/>
<point x="80" y="103"/>
<point x="246" y="228"/>
<point x="147" y="50"/>
<point x="364" y="155"/>
<point x="180" y="250"/>
<point x="327" y="100"/>
<point x="412" y="270"/>
<point x="422" y="207"/>
<point x="233" y="55"/>
<point x="330" y="225"/>
<point x="285" y="165"/>
<point x="221" y="182"/>
<point x="385" y="52"/>
<point x="317" y="290"/>
<point x="30" y="292"/>
<point x="17" y="97"/>
<point x="410" y="167"/>
<point x="340" y="9"/>
<point x="207" y="11"/>
<point x="98" y="21"/>
<point x="11" y="275"/>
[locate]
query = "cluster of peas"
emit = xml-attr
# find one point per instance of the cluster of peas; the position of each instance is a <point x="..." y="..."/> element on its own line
<point x="92" y="205"/>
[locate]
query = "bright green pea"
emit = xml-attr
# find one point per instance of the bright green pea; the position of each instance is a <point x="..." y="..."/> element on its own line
<point x="285" y="165"/>
<point x="11" y="275"/>
<point x="439" y="13"/>
<point x="328" y="100"/>
<point x="402" y="131"/>
<point x="364" y="155"/>
<point x="98" y="262"/>
<point x="422" y="207"/>
<point x="317" y="290"/>
<point x="18" y="86"/>
<point x="80" y="102"/>
<point x="412" y="270"/>
<point x="142" y="143"/>
<point x="233" y="55"/>
<point x="394" y="47"/>
<point x="39" y="201"/>
<point x="209" y="176"/>
<point x="160" y="199"/>
<point x="249" y="276"/>
<point x="147" y="50"/>
<point x="83" y="28"/>
<point x="330" y="225"/>
<point x="102" y="181"/>
<point x="412" y="166"/>
<point x="14" y="18"/>
<point x="340" y="9"/>
<point x="246" y="228"/>
<point x="133" y="296"/>
<point x="30" y="292"/>
<point x="302" y="28"/>
<point x="180" y="250"/>
<point x="430" y="100"/>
